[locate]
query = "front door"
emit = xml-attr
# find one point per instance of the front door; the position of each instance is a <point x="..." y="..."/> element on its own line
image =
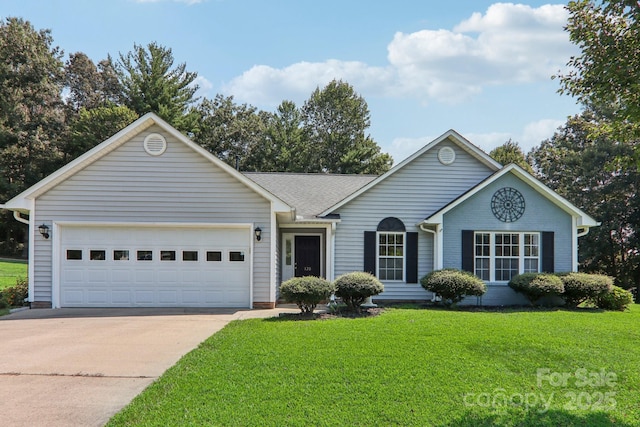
<point x="307" y="256"/>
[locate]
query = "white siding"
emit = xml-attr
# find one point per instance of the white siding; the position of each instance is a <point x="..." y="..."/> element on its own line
<point x="411" y="194"/>
<point x="128" y="185"/>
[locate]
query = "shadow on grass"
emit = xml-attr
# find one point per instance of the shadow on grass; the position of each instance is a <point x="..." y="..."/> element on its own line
<point x="536" y="419"/>
<point x="495" y="309"/>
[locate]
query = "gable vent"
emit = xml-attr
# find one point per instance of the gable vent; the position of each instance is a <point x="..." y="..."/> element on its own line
<point x="446" y="155"/>
<point x="155" y="144"/>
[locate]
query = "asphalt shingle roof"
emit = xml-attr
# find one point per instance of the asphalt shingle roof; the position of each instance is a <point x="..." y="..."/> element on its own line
<point x="310" y="193"/>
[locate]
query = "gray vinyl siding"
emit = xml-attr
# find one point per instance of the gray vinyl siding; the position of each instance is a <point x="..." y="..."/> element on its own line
<point x="420" y="188"/>
<point x="128" y="185"/>
<point x="539" y="215"/>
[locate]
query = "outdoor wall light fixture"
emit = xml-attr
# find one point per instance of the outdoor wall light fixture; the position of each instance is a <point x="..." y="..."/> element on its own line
<point x="44" y="230"/>
<point x="258" y="232"/>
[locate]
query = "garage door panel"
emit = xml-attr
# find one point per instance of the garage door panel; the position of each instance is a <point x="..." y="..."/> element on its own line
<point x="159" y="266"/>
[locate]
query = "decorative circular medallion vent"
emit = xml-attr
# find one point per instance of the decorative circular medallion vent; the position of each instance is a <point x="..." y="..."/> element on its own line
<point x="155" y="144"/>
<point x="507" y="204"/>
<point x="446" y="155"/>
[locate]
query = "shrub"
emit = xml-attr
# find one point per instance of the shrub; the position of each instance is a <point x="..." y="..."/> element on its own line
<point x="616" y="299"/>
<point x="14" y="296"/>
<point x="306" y="292"/>
<point x="453" y="285"/>
<point x="537" y="285"/>
<point x="579" y="287"/>
<point x="354" y="288"/>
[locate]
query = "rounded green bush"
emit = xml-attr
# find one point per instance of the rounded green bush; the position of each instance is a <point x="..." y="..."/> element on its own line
<point x="579" y="287"/>
<point x="537" y="285"/>
<point x="354" y="288"/>
<point x="453" y="285"/>
<point x="616" y="299"/>
<point x="306" y="292"/>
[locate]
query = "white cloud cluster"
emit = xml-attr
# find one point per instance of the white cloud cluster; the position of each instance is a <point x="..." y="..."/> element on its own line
<point x="508" y="44"/>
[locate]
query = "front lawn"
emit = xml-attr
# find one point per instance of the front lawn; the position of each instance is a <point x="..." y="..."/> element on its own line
<point x="10" y="271"/>
<point x="407" y="367"/>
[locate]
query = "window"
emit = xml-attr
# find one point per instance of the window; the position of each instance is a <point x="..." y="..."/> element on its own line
<point x="97" y="255"/>
<point x="236" y="256"/>
<point x="189" y="255"/>
<point x="391" y="256"/>
<point x="500" y="256"/>
<point x="167" y="255"/>
<point x="145" y="255"/>
<point x="214" y="256"/>
<point x="74" y="254"/>
<point x="121" y="255"/>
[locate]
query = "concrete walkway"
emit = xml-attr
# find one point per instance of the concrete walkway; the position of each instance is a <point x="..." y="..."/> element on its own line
<point x="78" y="367"/>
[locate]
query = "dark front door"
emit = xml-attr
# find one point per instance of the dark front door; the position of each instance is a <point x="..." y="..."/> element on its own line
<point x="307" y="256"/>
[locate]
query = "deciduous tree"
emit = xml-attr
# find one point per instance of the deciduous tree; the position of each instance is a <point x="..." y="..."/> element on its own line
<point x="510" y="152"/>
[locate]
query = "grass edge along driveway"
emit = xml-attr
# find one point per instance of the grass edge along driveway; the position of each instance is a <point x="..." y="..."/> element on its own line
<point x="407" y="367"/>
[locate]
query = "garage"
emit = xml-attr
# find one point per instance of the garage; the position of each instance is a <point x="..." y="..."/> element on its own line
<point x="154" y="266"/>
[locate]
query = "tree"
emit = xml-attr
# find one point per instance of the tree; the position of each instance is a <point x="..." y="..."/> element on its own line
<point x="92" y="126"/>
<point x="91" y="86"/>
<point x="335" y="120"/>
<point x="572" y="164"/>
<point x="510" y="152"/>
<point x="231" y="131"/>
<point x="606" y="75"/>
<point x="31" y="109"/>
<point x="151" y="83"/>
<point x="287" y="140"/>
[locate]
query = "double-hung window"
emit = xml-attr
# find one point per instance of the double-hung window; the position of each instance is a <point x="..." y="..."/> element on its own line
<point x="391" y="256"/>
<point x="500" y="256"/>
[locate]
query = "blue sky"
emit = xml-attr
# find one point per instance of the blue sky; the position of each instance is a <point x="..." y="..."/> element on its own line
<point x="479" y="67"/>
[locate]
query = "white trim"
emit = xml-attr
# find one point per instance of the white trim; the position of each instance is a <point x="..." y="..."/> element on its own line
<point x="273" y="262"/>
<point x="492" y="252"/>
<point x="31" y="267"/>
<point x="583" y="220"/>
<point x="404" y="255"/>
<point x="290" y="234"/>
<point x="574" y="245"/>
<point x="451" y="135"/>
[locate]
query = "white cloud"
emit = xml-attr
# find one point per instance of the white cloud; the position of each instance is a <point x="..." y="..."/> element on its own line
<point x="204" y="86"/>
<point x="536" y="132"/>
<point x="269" y="86"/>
<point x="508" y="44"/>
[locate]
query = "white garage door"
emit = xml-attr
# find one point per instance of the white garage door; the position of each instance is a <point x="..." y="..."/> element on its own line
<point x="108" y="266"/>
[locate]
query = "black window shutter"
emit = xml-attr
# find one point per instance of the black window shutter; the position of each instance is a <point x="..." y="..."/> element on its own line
<point x="412" y="257"/>
<point x="467" y="250"/>
<point x="370" y="252"/>
<point x="548" y="256"/>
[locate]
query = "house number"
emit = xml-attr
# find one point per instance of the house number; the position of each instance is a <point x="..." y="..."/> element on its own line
<point x="307" y="269"/>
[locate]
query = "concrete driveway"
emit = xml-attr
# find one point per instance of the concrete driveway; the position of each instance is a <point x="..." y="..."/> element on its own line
<point x="78" y="367"/>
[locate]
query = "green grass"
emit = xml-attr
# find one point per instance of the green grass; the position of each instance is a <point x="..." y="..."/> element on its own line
<point x="406" y="367"/>
<point x="11" y="270"/>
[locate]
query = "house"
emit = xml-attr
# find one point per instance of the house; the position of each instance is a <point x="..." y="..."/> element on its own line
<point x="149" y="218"/>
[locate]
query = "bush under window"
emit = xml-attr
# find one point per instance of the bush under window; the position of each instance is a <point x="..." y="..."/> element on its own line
<point x="453" y="285"/>
<point x="306" y="292"/>
<point x="537" y="285"/>
<point x="580" y="287"/>
<point x="354" y="288"/>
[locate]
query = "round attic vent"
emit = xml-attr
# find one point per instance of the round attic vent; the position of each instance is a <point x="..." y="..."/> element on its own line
<point x="155" y="144"/>
<point x="446" y="155"/>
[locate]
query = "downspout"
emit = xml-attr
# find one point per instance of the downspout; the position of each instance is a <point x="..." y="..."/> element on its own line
<point x="584" y="232"/>
<point x="16" y="215"/>
<point x="435" y="250"/>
